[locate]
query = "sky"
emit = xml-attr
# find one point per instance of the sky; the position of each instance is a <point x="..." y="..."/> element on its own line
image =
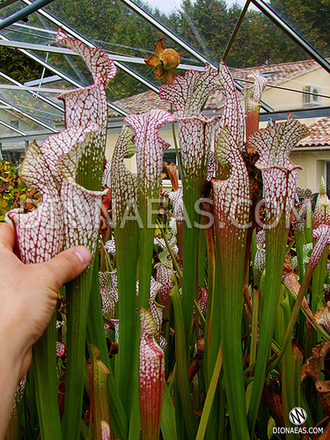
<point x="169" y="5"/>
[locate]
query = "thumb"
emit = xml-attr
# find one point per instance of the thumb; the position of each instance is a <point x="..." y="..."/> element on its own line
<point x="67" y="265"/>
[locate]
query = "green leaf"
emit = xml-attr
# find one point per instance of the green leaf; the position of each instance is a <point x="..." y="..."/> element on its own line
<point x="44" y="368"/>
<point x="181" y="363"/>
<point x="167" y="422"/>
<point x="209" y="397"/>
<point x="99" y="392"/>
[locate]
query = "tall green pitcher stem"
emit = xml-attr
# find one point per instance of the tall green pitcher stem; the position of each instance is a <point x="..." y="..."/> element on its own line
<point x="44" y="363"/>
<point x="96" y="336"/>
<point x="190" y="250"/>
<point x="78" y="295"/>
<point x="275" y="241"/>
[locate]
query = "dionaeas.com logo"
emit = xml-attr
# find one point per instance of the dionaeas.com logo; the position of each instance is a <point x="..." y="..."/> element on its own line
<point x="297" y="416"/>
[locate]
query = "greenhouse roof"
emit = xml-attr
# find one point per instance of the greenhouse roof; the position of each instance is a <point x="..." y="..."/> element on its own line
<point x="280" y="39"/>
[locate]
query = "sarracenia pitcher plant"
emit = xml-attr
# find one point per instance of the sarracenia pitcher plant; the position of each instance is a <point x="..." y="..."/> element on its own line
<point x="200" y="313"/>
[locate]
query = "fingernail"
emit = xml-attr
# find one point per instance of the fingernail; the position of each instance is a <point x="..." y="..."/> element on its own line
<point x="83" y="254"/>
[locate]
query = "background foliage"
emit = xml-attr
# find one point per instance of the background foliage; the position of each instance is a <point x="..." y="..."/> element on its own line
<point x="13" y="192"/>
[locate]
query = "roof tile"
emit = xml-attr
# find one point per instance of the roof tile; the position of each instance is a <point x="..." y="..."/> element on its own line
<point x="319" y="134"/>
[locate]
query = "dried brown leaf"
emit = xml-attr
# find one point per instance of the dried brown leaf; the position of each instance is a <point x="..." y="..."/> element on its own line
<point x="313" y="369"/>
<point x="326" y="433"/>
<point x="273" y="401"/>
<point x="314" y="363"/>
<point x="323" y="393"/>
<point x="322" y="316"/>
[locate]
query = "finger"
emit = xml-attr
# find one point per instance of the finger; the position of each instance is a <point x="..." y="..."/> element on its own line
<point x="67" y="265"/>
<point x="7" y="236"/>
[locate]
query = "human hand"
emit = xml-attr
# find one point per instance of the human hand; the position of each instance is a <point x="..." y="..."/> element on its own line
<point x="28" y="295"/>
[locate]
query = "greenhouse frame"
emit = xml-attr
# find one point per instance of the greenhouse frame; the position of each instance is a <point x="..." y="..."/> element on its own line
<point x="32" y="110"/>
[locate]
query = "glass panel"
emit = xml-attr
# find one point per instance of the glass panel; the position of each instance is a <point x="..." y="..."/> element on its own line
<point x="48" y="97"/>
<point x="260" y="42"/>
<point x="31" y="106"/>
<point x="5" y="120"/>
<point x="115" y="28"/>
<point x="13" y="152"/>
<point x="7" y="11"/>
<point x="30" y="32"/>
<point x="33" y="29"/>
<point x="17" y="121"/>
<point x="310" y="19"/>
<point x="170" y="7"/>
<point x="59" y="87"/>
<point x="206" y="25"/>
<point x="122" y="86"/>
<point x="39" y="30"/>
<point x="294" y="82"/>
<point x="75" y="68"/>
<point x="72" y="66"/>
<point x="111" y="25"/>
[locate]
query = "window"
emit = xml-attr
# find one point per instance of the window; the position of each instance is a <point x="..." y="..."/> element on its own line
<point x="15" y="123"/>
<point x="327" y="181"/>
<point x="170" y="156"/>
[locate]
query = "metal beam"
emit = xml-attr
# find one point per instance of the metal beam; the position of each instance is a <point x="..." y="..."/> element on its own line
<point x="32" y="46"/>
<point x="159" y="26"/>
<point x="65" y="51"/>
<point x="62" y="75"/>
<point x="32" y="118"/>
<point x="79" y="37"/>
<point x="32" y="89"/>
<point x="236" y="29"/>
<point x="34" y="28"/>
<point x="311" y="148"/>
<point x="33" y="93"/>
<point x="5" y="3"/>
<point x="303" y="113"/>
<point x="301" y="42"/>
<point x="5" y="124"/>
<point x="40" y="136"/>
<point x="151" y="20"/>
<point x="44" y="80"/>
<point x="288" y="89"/>
<point x="121" y="66"/>
<point x="23" y="12"/>
<point x="316" y="112"/>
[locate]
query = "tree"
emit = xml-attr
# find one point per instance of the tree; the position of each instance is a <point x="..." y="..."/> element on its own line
<point x="259" y="42"/>
<point x="18" y="66"/>
<point x="114" y="27"/>
<point x="309" y="18"/>
<point x="208" y="26"/>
